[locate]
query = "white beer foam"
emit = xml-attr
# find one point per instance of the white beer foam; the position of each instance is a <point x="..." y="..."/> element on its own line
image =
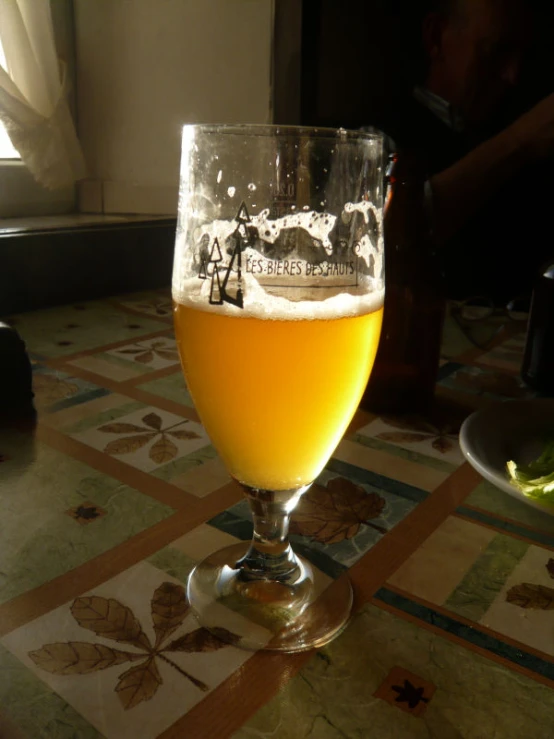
<point x="258" y="303"/>
<point x="318" y="225"/>
<point x="294" y="301"/>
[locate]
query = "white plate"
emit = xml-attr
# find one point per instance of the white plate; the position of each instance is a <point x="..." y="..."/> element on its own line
<point x="514" y="429"/>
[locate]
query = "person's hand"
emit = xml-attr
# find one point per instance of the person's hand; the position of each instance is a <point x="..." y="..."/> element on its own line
<point x="534" y="130"/>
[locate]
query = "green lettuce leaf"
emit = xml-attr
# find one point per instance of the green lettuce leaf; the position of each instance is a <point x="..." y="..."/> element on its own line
<point x="535" y="479"/>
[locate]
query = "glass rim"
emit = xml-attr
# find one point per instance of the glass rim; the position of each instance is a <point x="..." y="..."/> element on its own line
<point x="277" y="130"/>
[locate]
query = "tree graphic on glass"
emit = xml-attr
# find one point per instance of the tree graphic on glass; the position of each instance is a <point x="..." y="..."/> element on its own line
<point x="218" y="290"/>
<point x="213" y="272"/>
<point x="277" y="340"/>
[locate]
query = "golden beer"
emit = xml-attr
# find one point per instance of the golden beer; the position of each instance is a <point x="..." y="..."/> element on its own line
<point x="274" y="395"/>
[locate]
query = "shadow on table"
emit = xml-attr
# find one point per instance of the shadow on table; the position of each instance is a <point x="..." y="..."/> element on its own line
<point x="16" y="433"/>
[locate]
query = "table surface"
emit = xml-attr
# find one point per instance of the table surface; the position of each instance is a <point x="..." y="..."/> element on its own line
<point x="106" y="505"/>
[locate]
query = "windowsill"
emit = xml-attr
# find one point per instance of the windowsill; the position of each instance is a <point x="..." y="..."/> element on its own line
<point x="25" y="225"/>
<point x="52" y="260"/>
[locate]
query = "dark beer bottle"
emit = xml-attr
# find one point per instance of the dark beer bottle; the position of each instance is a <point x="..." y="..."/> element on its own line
<point x="405" y="370"/>
<point x="538" y="361"/>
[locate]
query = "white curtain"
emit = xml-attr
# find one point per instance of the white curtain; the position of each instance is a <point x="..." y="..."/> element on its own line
<point x="33" y="95"/>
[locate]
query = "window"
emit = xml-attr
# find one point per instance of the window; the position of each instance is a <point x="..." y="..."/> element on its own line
<point x="20" y="195"/>
<point x="6" y="149"/>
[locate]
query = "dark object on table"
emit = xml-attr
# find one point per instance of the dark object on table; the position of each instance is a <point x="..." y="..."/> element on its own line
<point x="405" y="370"/>
<point x="538" y="362"/>
<point x="16" y="377"/>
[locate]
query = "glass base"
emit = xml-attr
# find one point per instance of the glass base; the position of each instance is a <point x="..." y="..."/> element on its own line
<point x="294" y="615"/>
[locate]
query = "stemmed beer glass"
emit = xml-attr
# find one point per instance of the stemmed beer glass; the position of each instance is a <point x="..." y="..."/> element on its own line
<point x="278" y="294"/>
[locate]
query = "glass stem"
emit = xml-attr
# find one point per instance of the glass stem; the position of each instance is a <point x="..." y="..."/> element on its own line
<point x="270" y="556"/>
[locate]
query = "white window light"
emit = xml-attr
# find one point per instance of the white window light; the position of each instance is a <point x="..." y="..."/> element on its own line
<point x="7" y="150"/>
<point x="20" y="196"/>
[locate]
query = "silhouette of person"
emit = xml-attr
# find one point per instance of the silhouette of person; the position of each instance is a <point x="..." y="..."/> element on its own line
<point x="487" y="192"/>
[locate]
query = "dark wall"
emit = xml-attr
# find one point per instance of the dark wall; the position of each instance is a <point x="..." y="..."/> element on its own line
<point x="357" y="54"/>
<point x="346" y="62"/>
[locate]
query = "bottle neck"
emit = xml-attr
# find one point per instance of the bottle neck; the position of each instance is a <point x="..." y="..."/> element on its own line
<point x="408" y="208"/>
<point x="407" y="168"/>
